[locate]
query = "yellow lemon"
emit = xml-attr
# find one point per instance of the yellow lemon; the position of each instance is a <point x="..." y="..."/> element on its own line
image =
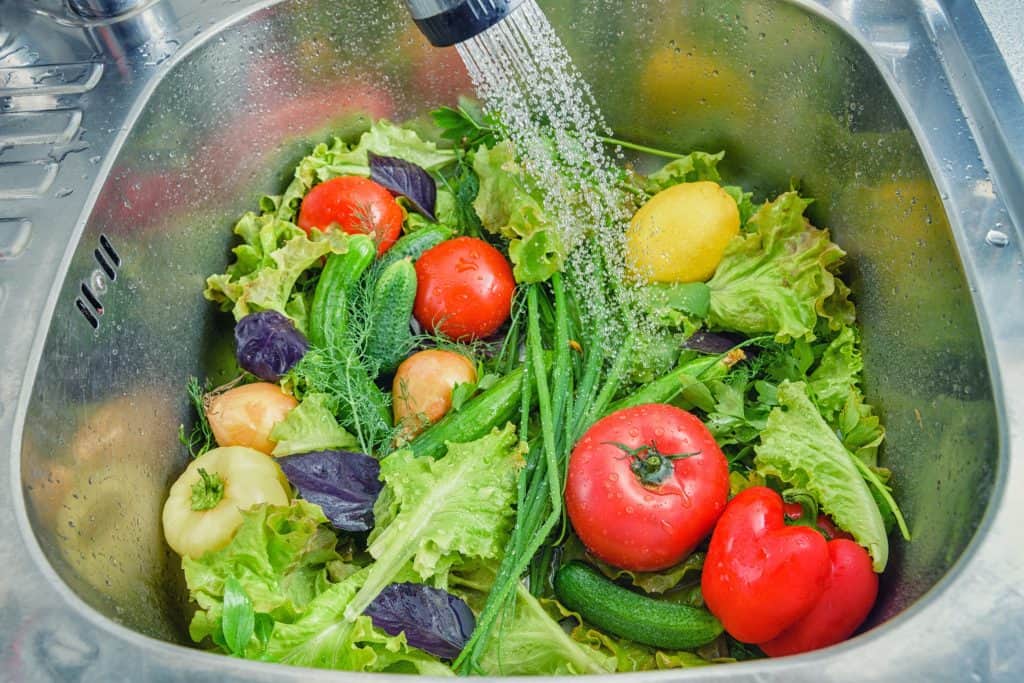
<point x="681" y="233"/>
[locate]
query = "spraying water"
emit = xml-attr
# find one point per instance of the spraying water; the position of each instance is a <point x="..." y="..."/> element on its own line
<point x="527" y="80"/>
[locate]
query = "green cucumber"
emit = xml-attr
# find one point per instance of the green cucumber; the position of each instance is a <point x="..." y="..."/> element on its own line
<point x="328" y="314"/>
<point x="414" y="244"/>
<point x="389" y="338"/>
<point x="492" y="408"/>
<point x="667" y="387"/>
<point x="630" y="615"/>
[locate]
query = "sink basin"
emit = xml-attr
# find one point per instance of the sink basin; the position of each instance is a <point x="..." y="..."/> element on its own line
<point x="169" y="124"/>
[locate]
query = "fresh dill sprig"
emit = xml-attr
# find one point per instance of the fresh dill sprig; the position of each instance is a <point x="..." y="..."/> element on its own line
<point x="200" y="439"/>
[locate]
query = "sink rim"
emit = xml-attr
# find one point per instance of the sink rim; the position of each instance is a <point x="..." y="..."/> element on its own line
<point x="999" y="382"/>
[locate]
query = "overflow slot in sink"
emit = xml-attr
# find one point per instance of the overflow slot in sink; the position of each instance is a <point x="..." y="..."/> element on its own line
<point x="89" y="304"/>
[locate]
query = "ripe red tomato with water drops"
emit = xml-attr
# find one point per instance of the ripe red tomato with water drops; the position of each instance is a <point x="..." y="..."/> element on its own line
<point x="464" y="289"/>
<point x="646" y="484"/>
<point x="356" y="205"/>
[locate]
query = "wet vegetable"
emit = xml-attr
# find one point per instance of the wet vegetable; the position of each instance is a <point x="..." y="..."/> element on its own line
<point x="631" y="615"/>
<point x="204" y="507"/>
<point x="433" y="620"/>
<point x="760" y="576"/>
<point x="681" y="233"/>
<point x="357" y="206"/>
<point x="246" y="415"/>
<point x="422" y="392"/>
<point x="848" y="597"/>
<point x="268" y="345"/>
<point x="344" y="484"/>
<point x="645" y="486"/>
<point x="405" y="179"/>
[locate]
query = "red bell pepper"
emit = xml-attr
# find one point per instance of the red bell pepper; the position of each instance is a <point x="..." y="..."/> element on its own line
<point x="760" y="576"/>
<point x="849" y="594"/>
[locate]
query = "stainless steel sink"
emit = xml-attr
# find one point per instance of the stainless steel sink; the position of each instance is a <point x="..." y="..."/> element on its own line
<point x="128" y="145"/>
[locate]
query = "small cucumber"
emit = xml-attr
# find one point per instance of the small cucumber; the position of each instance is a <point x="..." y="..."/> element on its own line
<point x="389" y="337"/>
<point x="630" y="615"/>
<point x="493" y="408"/>
<point x="328" y="314"/>
<point x="413" y="245"/>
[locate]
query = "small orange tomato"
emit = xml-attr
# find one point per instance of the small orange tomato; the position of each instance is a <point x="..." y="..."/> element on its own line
<point x="245" y="415"/>
<point x="422" y="389"/>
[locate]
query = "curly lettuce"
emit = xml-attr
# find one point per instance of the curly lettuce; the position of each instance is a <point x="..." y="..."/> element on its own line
<point x="436" y="514"/>
<point x="533" y="642"/>
<point x="780" y="276"/>
<point x="507" y="207"/>
<point x="273" y="255"/>
<point x="270" y="595"/>
<point x="691" y="168"/>
<point x="322" y="638"/>
<point x="280" y="557"/>
<point x="310" y="426"/>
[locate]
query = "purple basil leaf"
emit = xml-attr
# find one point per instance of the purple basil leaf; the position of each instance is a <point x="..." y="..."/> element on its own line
<point x="268" y="345"/>
<point x="709" y="342"/>
<point x="406" y="179"/>
<point x="433" y="620"/>
<point x="345" y="485"/>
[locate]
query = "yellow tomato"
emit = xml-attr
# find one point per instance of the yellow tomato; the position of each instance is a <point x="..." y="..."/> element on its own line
<point x="245" y="415"/>
<point x="203" y="508"/>
<point x="681" y="233"/>
<point x="422" y="390"/>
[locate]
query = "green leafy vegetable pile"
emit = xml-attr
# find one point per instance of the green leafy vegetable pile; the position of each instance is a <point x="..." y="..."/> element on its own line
<point x="766" y="353"/>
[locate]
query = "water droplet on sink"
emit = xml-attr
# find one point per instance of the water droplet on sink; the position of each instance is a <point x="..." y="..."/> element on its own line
<point x="997" y="238"/>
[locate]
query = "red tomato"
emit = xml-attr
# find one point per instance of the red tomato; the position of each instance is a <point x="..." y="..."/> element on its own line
<point x="849" y="594"/>
<point x="760" y="576"/>
<point x="645" y="485"/>
<point x="356" y="205"/>
<point x="464" y="289"/>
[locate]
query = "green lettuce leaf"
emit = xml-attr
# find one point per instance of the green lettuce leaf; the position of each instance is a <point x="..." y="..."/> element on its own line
<point x="269" y="262"/>
<point x="677" y="306"/>
<point x="439" y="513"/>
<point x="532" y="642"/>
<point x="279" y="556"/>
<point x="693" y="167"/>
<point x="341" y="159"/>
<point x="744" y="202"/>
<point x="310" y="426"/>
<point x="779" y="277"/>
<point x="859" y="428"/>
<point x="649" y="582"/>
<point x="837" y="374"/>
<point x="800" y="448"/>
<point x="507" y="207"/>
<point x="657" y="582"/>
<point x="322" y="638"/>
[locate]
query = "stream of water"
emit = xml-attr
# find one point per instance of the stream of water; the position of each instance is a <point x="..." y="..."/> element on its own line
<point x="525" y="76"/>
